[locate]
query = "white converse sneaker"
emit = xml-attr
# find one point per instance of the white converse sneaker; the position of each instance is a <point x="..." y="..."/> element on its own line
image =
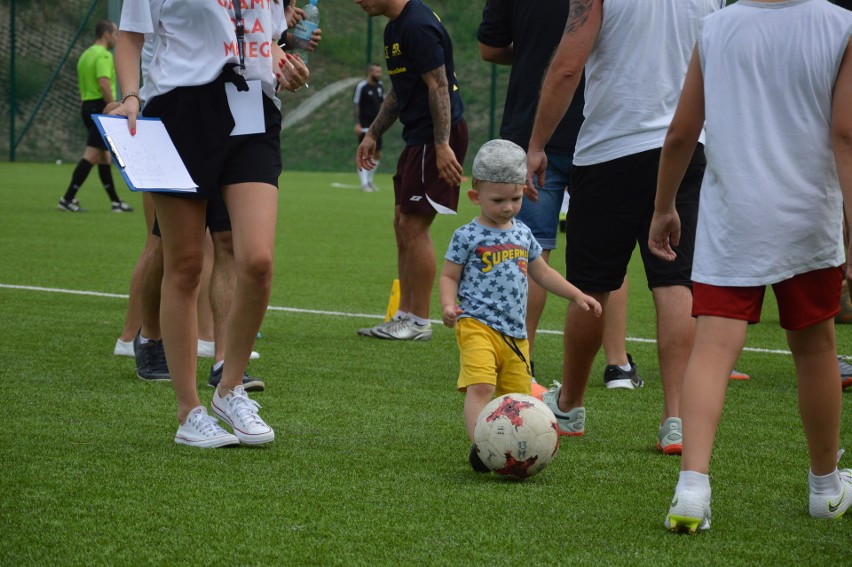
<point x="123" y="348"/>
<point x="207" y="349"/>
<point x="202" y="430"/>
<point x="688" y="512"/>
<point x="240" y="412"/>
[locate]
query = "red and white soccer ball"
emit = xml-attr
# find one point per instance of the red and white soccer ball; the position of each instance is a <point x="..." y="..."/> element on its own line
<point x="516" y="435"/>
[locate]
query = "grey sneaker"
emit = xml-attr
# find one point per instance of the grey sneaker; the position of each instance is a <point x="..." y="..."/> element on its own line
<point x="615" y="377"/>
<point x="202" y="430"/>
<point x="405" y="330"/>
<point x="371" y="331"/>
<point x="72" y="206"/>
<point x="688" y="512"/>
<point x="240" y="412"/>
<point x="250" y="383"/>
<point x="572" y="422"/>
<point x="845" y="372"/>
<point x="670" y="437"/>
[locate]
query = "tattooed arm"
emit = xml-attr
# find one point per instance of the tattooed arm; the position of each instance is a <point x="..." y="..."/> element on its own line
<point x="562" y="77"/>
<point x="449" y="169"/>
<point x="388" y="114"/>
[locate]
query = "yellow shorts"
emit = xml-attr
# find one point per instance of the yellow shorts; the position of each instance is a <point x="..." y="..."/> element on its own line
<point x="487" y="356"/>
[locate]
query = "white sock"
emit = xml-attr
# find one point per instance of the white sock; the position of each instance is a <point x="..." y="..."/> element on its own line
<point x="826" y="484"/>
<point x="372" y="172"/>
<point x="418" y="320"/>
<point x="626" y="367"/>
<point x="400" y="315"/>
<point x="364" y="175"/>
<point x="143" y="340"/>
<point x="218" y="365"/>
<point x="694" y="482"/>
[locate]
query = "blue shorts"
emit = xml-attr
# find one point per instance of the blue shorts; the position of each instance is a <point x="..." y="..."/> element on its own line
<point x="543" y="217"/>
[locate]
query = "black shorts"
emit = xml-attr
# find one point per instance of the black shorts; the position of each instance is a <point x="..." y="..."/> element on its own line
<point x="378" y="142"/>
<point x="199" y="121"/>
<point x="417" y="175"/>
<point x="217" y="217"/>
<point x="610" y="212"/>
<point x="88" y="108"/>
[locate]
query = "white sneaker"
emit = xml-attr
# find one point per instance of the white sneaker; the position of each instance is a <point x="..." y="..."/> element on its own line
<point x="202" y="430"/>
<point x="207" y="349"/>
<point x="830" y="506"/>
<point x="240" y="412"/>
<point x="123" y="348"/>
<point x="371" y="331"/>
<point x="405" y="330"/>
<point x="688" y="512"/>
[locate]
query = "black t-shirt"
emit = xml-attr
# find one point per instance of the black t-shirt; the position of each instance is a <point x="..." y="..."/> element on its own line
<point x="416" y="42"/>
<point x="534" y="28"/>
<point x="369" y="99"/>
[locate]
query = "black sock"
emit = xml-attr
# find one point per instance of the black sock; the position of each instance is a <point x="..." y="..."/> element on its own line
<point x="81" y="172"/>
<point x="105" y="173"/>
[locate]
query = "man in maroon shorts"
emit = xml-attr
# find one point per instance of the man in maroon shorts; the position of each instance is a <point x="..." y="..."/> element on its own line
<point x="425" y="97"/>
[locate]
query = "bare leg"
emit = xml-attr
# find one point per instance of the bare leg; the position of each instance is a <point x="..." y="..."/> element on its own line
<point x="205" y="312"/>
<point x="814" y="351"/>
<point x="182" y="225"/>
<point x="582" y="340"/>
<point x="536" y="301"/>
<point x="675" y="334"/>
<point x="253" y="208"/>
<point x="133" y="319"/>
<point x="416" y="257"/>
<point x="222" y="284"/>
<point x="718" y="342"/>
<point x="615" y="327"/>
<point x="152" y="284"/>
<point x="476" y="398"/>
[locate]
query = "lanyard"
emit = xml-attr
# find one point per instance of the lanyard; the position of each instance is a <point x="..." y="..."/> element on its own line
<point x="241" y="35"/>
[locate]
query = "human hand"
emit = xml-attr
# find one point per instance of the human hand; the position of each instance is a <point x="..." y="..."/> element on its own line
<point x="450" y="314"/>
<point x="364" y="155"/>
<point x="663" y="234"/>
<point x="292" y="73"/>
<point x="449" y="169"/>
<point x="587" y="302"/>
<point x="358" y="130"/>
<point x="316" y="37"/>
<point x="128" y="108"/>
<point x="293" y="15"/>
<point x="536" y="166"/>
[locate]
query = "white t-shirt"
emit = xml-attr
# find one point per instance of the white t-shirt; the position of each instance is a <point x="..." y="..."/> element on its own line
<point x="635" y="73"/>
<point x="771" y="206"/>
<point x="196" y="38"/>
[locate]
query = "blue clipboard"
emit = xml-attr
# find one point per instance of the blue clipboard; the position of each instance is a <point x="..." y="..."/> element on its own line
<point x="149" y="160"/>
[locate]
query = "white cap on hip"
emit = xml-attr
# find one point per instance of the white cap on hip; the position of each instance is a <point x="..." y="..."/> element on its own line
<point x="501" y="161"/>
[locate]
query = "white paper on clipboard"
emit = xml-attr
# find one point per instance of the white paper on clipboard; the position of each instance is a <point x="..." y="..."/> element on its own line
<point x="149" y="160"/>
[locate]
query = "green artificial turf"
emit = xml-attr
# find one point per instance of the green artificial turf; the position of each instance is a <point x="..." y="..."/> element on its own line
<point x="369" y="466"/>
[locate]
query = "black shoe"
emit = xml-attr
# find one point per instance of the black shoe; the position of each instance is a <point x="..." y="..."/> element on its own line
<point x="151" y="360"/>
<point x="121" y="207"/>
<point x="72" y="206"/>
<point x="250" y="384"/>
<point x="615" y="377"/>
<point x="475" y="462"/>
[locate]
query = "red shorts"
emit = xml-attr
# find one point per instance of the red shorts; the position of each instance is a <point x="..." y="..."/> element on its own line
<point x="417" y="176"/>
<point x="803" y="300"/>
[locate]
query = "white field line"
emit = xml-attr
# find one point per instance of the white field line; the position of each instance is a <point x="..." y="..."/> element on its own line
<point x="322" y="312"/>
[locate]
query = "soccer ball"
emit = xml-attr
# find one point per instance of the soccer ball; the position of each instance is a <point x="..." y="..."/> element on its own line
<point x="516" y="435"/>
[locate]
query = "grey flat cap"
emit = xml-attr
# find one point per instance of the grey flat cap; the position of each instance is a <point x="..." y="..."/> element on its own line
<point x="501" y="161"/>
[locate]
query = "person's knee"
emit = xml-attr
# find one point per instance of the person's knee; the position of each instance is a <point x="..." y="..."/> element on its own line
<point x="257" y="268"/>
<point x="223" y="243"/>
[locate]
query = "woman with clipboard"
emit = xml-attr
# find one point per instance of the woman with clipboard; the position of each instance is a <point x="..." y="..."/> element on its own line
<point x="213" y="85"/>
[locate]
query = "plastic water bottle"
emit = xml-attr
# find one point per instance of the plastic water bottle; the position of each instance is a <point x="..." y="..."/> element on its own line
<point x="305" y="28"/>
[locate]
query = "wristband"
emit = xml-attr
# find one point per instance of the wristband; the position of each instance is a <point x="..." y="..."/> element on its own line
<point x="129" y="94"/>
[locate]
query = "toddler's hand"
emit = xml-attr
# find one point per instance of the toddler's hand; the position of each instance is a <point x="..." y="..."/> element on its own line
<point x="587" y="302"/>
<point x="450" y="314"/>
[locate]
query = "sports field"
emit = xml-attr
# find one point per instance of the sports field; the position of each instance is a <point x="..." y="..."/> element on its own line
<point x="369" y="466"/>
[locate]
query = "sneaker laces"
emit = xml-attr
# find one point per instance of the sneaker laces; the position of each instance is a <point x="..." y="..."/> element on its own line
<point x="396" y="325"/>
<point x="207" y="425"/>
<point x="243" y="407"/>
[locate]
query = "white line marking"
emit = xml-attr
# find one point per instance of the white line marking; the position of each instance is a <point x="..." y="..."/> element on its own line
<point x="328" y="313"/>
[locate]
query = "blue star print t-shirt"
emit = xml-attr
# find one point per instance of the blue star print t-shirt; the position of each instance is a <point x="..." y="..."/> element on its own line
<point x="493" y="286"/>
